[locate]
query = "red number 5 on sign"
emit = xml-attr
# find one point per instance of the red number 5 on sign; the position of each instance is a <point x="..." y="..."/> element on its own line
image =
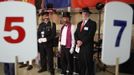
<point x="19" y="29"/>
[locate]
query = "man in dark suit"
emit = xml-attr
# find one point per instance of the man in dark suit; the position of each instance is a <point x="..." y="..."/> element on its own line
<point x="84" y="37"/>
<point x="46" y="35"/>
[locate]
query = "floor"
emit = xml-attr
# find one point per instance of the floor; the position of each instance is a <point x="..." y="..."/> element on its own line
<point x="23" y="71"/>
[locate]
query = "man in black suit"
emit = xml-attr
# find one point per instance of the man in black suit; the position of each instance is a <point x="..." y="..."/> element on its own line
<point x="46" y="35"/>
<point x="84" y="37"/>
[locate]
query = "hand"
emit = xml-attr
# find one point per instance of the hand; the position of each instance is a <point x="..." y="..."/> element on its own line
<point x="59" y="47"/>
<point x="71" y="51"/>
<point x="39" y="40"/>
<point x="43" y="39"/>
<point x="77" y="49"/>
<point x="79" y="43"/>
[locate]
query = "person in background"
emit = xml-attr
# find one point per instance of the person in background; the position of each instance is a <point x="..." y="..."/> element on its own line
<point x="84" y="37"/>
<point x="46" y="33"/>
<point x="9" y="69"/>
<point x="66" y="45"/>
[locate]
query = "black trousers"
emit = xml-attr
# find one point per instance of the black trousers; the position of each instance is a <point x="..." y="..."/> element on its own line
<point x="9" y="69"/>
<point x="66" y="60"/>
<point x="86" y="63"/>
<point x="46" y="57"/>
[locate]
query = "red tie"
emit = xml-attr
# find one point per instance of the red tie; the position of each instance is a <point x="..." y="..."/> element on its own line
<point x="82" y="25"/>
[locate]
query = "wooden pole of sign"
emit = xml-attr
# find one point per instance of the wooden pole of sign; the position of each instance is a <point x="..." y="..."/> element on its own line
<point x="16" y="65"/>
<point x="117" y="67"/>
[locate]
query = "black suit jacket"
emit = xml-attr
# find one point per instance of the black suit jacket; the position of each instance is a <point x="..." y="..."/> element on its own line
<point x="49" y="32"/>
<point x="87" y="33"/>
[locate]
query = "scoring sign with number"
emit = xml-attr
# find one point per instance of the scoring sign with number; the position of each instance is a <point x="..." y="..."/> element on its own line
<point x="117" y="32"/>
<point x="18" y="35"/>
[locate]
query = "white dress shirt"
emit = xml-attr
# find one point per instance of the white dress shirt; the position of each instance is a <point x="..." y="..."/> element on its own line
<point x="64" y="35"/>
<point x="85" y="21"/>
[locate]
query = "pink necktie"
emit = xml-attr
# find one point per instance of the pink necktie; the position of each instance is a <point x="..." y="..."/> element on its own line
<point x="82" y="25"/>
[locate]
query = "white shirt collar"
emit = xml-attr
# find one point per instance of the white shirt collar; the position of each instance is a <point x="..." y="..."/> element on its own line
<point x="85" y="21"/>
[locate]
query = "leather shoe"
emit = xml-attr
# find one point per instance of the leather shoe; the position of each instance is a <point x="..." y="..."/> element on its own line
<point x="52" y="73"/>
<point x="42" y="70"/>
<point x="22" y="65"/>
<point x="29" y="67"/>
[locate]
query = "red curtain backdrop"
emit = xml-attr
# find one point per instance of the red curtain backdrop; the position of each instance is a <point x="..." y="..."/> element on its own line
<point x="92" y="3"/>
<point x="126" y="1"/>
<point x="85" y="3"/>
<point x="31" y="1"/>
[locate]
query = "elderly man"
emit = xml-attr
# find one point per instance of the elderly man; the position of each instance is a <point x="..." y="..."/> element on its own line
<point x="84" y="37"/>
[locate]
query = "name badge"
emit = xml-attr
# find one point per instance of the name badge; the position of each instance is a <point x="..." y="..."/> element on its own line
<point x="85" y="28"/>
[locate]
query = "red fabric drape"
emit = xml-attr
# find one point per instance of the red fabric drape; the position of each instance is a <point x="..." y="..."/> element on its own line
<point x="31" y="1"/>
<point x="85" y="3"/>
<point x="126" y="1"/>
<point x="92" y="3"/>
